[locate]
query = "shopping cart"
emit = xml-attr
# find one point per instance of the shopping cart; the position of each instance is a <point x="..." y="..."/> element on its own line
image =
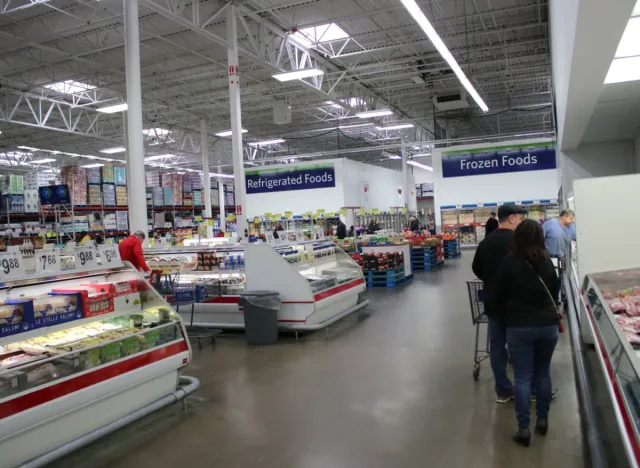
<point x="476" y="300"/>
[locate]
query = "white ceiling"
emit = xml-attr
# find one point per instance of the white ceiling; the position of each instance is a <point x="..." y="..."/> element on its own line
<point x="502" y="46"/>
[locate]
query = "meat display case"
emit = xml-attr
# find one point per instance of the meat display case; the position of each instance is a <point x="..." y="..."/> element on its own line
<point x="80" y="351"/>
<point x="318" y="283"/>
<point x="617" y="346"/>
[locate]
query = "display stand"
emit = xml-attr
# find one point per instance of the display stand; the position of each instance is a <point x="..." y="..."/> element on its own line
<point x="96" y="360"/>
<point x="405" y="249"/>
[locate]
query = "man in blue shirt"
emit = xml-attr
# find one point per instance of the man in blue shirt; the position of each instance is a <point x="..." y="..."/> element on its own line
<point x="558" y="233"/>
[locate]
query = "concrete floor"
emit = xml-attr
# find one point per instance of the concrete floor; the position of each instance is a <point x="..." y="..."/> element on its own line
<point x="391" y="390"/>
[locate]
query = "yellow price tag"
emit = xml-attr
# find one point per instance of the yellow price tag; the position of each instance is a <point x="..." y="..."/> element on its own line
<point x="392" y="210"/>
<point x="273" y="218"/>
<point x="375" y="211"/>
<point x="320" y="212"/>
<point x="230" y="217"/>
<point x="256" y="220"/>
<point x="277" y="215"/>
<point x="288" y="214"/>
<point x="268" y="215"/>
<point x="343" y="212"/>
<point x="404" y="210"/>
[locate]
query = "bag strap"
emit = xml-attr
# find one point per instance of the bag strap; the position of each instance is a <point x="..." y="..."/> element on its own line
<point x="555" y="306"/>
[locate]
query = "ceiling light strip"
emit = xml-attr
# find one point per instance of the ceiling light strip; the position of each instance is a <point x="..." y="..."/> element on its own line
<point x="415" y="11"/>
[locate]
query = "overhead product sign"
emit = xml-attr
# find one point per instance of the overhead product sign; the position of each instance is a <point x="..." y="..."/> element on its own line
<point x="293" y="178"/>
<point x="54" y="195"/>
<point x="497" y="160"/>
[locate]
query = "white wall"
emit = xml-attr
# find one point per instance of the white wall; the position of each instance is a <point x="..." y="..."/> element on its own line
<point x="511" y="186"/>
<point x="596" y="160"/>
<point x="636" y="154"/>
<point x="422" y="176"/>
<point x="351" y="178"/>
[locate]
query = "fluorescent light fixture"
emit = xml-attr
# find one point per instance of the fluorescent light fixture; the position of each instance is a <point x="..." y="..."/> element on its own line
<point x="155" y="131"/>
<point x="224" y="176"/>
<point x="159" y="156"/>
<point x="374" y="113"/>
<point x="113" y="109"/>
<point x="636" y="9"/>
<point x="70" y="87"/>
<point x="415" y="11"/>
<point x="117" y="149"/>
<point x="28" y="148"/>
<point x="623" y="69"/>
<point x="420" y="155"/>
<point x="630" y="43"/>
<point x="90" y="166"/>
<point x="275" y="141"/>
<point x="392" y="156"/>
<point x="421" y="166"/>
<point x="43" y="161"/>
<point x="298" y="74"/>
<point x="396" y="127"/>
<point x="227" y="133"/>
<point x="327" y="32"/>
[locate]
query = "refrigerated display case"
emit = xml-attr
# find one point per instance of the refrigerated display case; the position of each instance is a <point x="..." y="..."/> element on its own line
<point x="611" y="300"/>
<point x="318" y="283"/>
<point x="79" y="352"/>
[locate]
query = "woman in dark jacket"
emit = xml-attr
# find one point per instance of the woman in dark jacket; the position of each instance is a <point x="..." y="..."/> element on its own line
<point x="523" y="291"/>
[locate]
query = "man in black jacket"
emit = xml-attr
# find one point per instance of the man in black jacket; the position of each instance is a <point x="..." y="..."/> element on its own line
<point x="490" y="253"/>
<point x="491" y="225"/>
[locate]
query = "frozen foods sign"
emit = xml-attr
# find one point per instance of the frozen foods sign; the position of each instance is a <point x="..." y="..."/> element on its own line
<point x="519" y="158"/>
<point x="293" y="178"/>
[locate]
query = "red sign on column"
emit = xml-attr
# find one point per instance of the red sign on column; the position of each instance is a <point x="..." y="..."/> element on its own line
<point x="238" y="210"/>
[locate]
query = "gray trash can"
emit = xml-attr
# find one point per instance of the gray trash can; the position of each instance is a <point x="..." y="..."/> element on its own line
<point x="260" y="316"/>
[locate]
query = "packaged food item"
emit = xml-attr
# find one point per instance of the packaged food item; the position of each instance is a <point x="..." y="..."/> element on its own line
<point x="12" y="381"/>
<point x="16" y="316"/>
<point x="41" y="374"/>
<point x="92" y="302"/>
<point x="129" y="346"/>
<point x="53" y="308"/>
<point x="110" y="352"/>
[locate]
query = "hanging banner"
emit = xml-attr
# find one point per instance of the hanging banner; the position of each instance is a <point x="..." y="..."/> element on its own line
<point x="497" y="160"/>
<point x="293" y="178"/>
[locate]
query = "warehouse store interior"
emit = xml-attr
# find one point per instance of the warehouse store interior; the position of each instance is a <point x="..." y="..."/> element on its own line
<point x="241" y="233"/>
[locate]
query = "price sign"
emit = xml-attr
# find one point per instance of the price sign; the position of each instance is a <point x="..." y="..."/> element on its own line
<point x="269" y="237"/>
<point x="288" y="214"/>
<point x="86" y="258"/>
<point x="109" y="255"/>
<point x="299" y="235"/>
<point x="48" y="261"/>
<point x="11" y="265"/>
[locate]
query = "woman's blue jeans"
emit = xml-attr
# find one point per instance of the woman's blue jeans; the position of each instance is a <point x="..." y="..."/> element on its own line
<point x="530" y="352"/>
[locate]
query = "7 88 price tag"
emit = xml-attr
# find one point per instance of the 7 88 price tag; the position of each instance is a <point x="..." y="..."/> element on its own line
<point x="48" y="261"/>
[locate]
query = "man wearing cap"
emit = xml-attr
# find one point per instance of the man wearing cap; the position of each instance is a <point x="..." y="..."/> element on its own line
<point x="491" y="251"/>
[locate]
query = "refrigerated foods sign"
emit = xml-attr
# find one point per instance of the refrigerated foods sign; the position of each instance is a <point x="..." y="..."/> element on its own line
<point x="294" y="178"/>
<point x="497" y="160"/>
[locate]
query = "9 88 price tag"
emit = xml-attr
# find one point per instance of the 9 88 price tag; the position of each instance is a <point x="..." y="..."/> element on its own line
<point x="11" y="265"/>
<point x="48" y="261"/>
<point x="110" y="255"/>
<point x="86" y="258"/>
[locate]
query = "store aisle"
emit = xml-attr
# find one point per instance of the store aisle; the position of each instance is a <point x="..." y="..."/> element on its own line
<point x="393" y="390"/>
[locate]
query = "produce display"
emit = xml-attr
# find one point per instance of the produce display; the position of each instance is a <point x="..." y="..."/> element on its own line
<point x="379" y="261"/>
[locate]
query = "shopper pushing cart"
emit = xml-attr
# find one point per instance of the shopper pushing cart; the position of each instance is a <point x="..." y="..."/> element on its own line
<point x="490" y="253"/>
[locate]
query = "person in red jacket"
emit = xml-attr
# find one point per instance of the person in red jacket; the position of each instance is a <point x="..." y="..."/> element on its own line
<point x="131" y="251"/>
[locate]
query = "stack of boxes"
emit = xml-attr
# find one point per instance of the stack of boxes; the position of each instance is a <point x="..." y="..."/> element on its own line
<point x="31" y="197"/>
<point x="12" y="189"/>
<point x="95" y="192"/>
<point x="122" y="220"/>
<point x="108" y="185"/>
<point x="76" y="179"/>
<point x="176" y="185"/>
<point x="120" y="176"/>
<point x="167" y="189"/>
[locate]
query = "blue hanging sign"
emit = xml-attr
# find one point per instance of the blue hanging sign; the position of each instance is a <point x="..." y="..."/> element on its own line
<point x="293" y="178"/>
<point x="54" y="195"/>
<point x="497" y="160"/>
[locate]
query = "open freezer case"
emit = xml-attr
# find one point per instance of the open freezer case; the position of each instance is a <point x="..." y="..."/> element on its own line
<point x="318" y="283"/>
<point x="78" y="352"/>
<point x="218" y="269"/>
<point x="316" y="280"/>
<point x="612" y="303"/>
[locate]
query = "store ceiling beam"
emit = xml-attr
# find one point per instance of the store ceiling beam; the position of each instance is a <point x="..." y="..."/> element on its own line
<point x="581" y="59"/>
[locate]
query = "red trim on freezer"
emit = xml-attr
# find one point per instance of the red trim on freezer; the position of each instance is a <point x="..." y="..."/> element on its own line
<point x="338" y="289"/>
<point x="223" y="300"/>
<point x="614" y="384"/>
<point x="45" y="395"/>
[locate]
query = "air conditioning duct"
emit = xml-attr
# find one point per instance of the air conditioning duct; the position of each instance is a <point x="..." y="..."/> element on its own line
<point x="451" y="101"/>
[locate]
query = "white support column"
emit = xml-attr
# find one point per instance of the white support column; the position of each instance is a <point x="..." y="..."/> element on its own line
<point x="405" y="174"/>
<point x="206" y="180"/>
<point x="223" y="213"/>
<point x="240" y="190"/>
<point x="136" y="185"/>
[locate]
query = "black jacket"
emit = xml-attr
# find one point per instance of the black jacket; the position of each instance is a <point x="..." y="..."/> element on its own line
<point x="518" y="296"/>
<point x="492" y="225"/>
<point x="415" y="226"/>
<point x="489" y="254"/>
<point x="275" y="232"/>
<point x="341" y="230"/>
